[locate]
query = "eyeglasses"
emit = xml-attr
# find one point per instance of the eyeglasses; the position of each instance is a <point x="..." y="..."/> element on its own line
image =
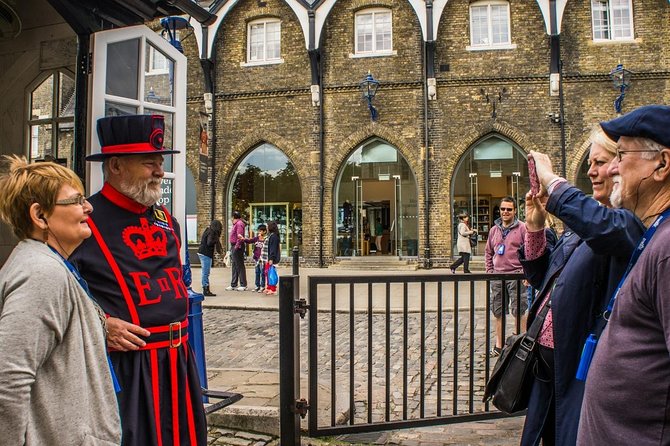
<point x="621" y="152"/>
<point x="78" y="199"/>
<point x="506" y="209"/>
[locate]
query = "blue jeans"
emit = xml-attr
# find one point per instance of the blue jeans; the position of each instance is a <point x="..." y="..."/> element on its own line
<point x="260" y="275"/>
<point x="206" y="263"/>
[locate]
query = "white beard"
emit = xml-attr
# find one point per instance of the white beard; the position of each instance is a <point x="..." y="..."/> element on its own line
<point x="146" y="194"/>
<point x="615" y="197"/>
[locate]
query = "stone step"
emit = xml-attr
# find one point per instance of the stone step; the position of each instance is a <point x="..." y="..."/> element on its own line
<point x="376" y="263"/>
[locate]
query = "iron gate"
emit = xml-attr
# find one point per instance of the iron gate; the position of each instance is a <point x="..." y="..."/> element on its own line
<point x="388" y="352"/>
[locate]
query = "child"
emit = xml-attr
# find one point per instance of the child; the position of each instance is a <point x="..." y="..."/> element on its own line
<point x="258" y="242"/>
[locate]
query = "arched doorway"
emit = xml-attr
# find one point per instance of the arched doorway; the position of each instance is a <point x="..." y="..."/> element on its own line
<point x="265" y="187"/>
<point x="491" y="169"/>
<point x="583" y="182"/>
<point x="376" y="209"/>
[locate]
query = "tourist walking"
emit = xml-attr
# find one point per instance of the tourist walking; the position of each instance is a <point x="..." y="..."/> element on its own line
<point x="238" y="280"/>
<point x="210" y="241"/>
<point x="463" y="243"/>
<point x="273" y="254"/>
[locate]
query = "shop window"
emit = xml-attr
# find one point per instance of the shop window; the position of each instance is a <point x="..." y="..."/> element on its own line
<point x="264" y="42"/>
<point x="490" y="26"/>
<point x="612" y="19"/>
<point x="51" y="120"/>
<point x="374" y="33"/>
<point x="266" y="187"/>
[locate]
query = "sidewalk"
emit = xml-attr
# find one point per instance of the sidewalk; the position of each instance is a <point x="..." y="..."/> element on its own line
<point x="241" y="332"/>
<point x="248" y="300"/>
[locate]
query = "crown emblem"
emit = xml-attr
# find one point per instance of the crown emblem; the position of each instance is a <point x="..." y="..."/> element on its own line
<point x="145" y="240"/>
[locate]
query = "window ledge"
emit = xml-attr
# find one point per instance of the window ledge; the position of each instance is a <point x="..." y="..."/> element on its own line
<point x="257" y="63"/>
<point x="614" y="41"/>
<point x="377" y="54"/>
<point x="507" y="46"/>
<point x="156" y="72"/>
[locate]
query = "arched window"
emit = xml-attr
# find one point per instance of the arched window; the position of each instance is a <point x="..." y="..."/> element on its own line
<point x="374" y="32"/>
<point x="51" y="116"/>
<point x="264" y="41"/>
<point x="376" y="203"/>
<point x="266" y="187"/>
<point x="490" y="25"/>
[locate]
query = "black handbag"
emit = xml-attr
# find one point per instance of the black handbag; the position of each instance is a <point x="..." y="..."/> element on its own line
<point x="510" y="383"/>
<point x="473" y="240"/>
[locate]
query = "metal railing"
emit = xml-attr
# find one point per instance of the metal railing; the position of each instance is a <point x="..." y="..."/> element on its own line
<point x="390" y="352"/>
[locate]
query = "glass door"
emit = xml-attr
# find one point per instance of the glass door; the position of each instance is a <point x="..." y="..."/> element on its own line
<point x="398" y="218"/>
<point x="359" y="211"/>
<point x="136" y="71"/>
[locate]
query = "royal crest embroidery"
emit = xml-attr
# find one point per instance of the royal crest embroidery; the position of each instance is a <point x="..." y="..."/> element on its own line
<point x="145" y="240"/>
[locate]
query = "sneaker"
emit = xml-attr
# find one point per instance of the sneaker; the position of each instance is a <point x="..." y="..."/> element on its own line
<point x="241" y="288"/>
<point x="255" y="290"/>
<point x="495" y="352"/>
<point x="229" y="288"/>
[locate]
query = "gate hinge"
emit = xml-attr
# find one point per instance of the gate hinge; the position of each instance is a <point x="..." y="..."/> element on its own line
<point x="86" y="64"/>
<point x="301" y="407"/>
<point x="300" y="307"/>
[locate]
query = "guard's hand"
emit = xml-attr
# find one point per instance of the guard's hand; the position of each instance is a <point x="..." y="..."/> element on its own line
<point x="123" y="336"/>
<point x="543" y="167"/>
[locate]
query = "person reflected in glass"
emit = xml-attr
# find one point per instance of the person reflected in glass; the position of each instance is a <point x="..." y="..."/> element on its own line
<point x="56" y="382"/>
<point x="463" y="243"/>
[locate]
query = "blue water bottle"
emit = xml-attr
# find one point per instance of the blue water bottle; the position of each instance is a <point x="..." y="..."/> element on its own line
<point x="587" y="356"/>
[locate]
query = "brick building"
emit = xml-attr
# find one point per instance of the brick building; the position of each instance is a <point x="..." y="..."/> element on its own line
<point x="278" y="129"/>
<point x="474" y="82"/>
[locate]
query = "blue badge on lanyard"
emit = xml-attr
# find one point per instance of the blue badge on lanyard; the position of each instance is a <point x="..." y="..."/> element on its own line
<point x="501" y="249"/>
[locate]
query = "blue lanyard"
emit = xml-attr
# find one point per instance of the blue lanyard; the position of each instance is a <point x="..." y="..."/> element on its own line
<point x="84" y="285"/>
<point x="646" y="238"/>
<point x="592" y="340"/>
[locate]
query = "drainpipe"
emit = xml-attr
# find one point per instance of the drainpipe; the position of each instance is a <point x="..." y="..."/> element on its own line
<point x="209" y="70"/>
<point x="317" y="101"/>
<point x="556" y="76"/>
<point x="429" y="92"/>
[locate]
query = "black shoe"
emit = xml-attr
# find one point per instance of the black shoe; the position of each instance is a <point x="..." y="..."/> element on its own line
<point x="453" y="270"/>
<point x="468" y="272"/>
<point x="206" y="292"/>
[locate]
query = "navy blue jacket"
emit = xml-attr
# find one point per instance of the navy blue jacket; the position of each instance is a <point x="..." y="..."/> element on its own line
<point x="590" y="259"/>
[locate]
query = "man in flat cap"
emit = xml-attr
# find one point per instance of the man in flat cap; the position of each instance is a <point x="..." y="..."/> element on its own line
<point x="627" y="395"/>
<point x="133" y="268"/>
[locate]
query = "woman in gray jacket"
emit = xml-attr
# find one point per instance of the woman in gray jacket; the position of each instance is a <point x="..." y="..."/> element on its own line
<point x="56" y="384"/>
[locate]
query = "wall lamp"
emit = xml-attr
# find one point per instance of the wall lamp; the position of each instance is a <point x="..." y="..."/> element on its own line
<point x="171" y="27"/>
<point x="621" y="80"/>
<point x="369" y="87"/>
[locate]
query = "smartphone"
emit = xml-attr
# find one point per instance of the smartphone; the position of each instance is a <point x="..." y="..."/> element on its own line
<point x="534" y="180"/>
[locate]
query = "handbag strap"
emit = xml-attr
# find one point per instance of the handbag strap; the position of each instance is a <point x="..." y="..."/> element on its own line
<point x="535" y="327"/>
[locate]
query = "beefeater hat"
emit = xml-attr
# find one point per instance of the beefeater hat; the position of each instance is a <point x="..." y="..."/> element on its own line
<point x="130" y="135"/>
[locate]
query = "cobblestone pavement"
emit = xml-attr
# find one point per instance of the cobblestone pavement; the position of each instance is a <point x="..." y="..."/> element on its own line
<point x="248" y="340"/>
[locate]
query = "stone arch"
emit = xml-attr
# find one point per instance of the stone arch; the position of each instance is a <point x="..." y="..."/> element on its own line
<point x="251" y="140"/>
<point x="371" y="130"/>
<point x="575" y="161"/>
<point x="470" y="138"/>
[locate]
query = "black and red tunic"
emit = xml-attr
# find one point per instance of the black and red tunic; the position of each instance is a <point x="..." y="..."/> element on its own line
<point x="133" y="268"/>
